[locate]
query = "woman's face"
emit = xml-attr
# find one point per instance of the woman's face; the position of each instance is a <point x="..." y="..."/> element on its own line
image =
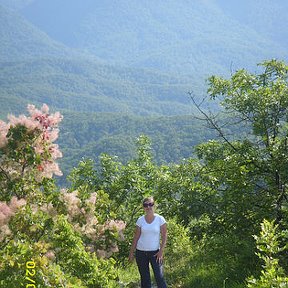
<point x="148" y="205"/>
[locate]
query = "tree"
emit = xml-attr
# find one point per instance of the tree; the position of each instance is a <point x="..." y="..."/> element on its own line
<point x="248" y="171"/>
<point x="27" y="151"/>
<point x="57" y="238"/>
<point x="272" y="274"/>
<point x="253" y="168"/>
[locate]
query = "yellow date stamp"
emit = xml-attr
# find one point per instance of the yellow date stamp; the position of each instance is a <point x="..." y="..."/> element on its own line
<point x="30" y="274"/>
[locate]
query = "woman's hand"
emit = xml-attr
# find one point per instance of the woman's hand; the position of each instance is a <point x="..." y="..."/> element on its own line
<point x="131" y="257"/>
<point x="159" y="256"/>
<point x="137" y="234"/>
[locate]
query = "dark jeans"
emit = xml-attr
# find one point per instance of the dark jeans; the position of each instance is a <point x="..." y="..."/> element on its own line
<point x="143" y="258"/>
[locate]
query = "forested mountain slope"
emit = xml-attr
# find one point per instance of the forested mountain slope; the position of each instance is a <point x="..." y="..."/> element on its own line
<point x="20" y="39"/>
<point x="133" y="58"/>
<point x="83" y="85"/>
<point x="87" y="135"/>
<point x="195" y="37"/>
<point x="268" y="18"/>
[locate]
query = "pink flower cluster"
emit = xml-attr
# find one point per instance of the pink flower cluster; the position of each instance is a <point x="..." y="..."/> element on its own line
<point x="6" y="212"/>
<point x="81" y="214"/>
<point x="4" y="128"/>
<point x="45" y="120"/>
<point x="45" y="125"/>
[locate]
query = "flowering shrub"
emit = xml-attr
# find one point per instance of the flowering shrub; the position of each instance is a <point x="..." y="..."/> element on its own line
<point x="6" y="212"/>
<point x="28" y="151"/>
<point x="67" y="235"/>
<point x="98" y="236"/>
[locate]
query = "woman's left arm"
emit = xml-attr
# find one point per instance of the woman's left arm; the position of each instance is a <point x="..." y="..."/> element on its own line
<point x="163" y="231"/>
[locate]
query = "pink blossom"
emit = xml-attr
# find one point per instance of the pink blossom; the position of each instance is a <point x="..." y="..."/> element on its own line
<point x="50" y="255"/>
<point x="31" y="109"/>
<point x="89" y="231"/>
<point x="5" y="213"/>
<point x="101" y="229"/>
<point x="114" y="248"/>
<point x="101" y="253"/>
<point x="4" y="128"/>
<point x="49" y="209"/>
<point x="34" y="112"/>
<point x="43" y="117"/>
<point x="45" y="135"/>
<point x="15" y="203"/>
<point x="115" y="224"/>
<point x="72" y="203"/>
<point x="55" y="152"/>
<point x="23" y="120"/>
<point x="50" y="168"/>
<point x="38" y="148"/>
<point x="55" y="118"/>
<point x="34" y="208"/>
<point x="92" y="199"/>
<point x="45" y="108"/>
<point x="4" y="219"/>
<point x="45" y="125"/>
<point x="121" y="236"/>
<point x="54" y="134"/>
<point x="4" y="231"/>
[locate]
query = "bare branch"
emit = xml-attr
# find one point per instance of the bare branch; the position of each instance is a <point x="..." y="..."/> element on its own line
<point x="210" y="119"/>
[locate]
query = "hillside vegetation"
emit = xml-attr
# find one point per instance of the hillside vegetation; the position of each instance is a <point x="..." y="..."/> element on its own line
<point x="225" y="207"/>
<point x="197" y="38"/>
<point x="138" y="60"/>
<point x="82" y="85"/>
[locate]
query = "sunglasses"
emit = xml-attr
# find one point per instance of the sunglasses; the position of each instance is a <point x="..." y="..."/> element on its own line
<point x="148" y="205"/>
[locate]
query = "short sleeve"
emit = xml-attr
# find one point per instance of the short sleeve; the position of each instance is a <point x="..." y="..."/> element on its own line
<point x="162" y="220"/>
<point x="139" y="221"/>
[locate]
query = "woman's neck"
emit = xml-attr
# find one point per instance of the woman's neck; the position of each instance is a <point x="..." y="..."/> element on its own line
<point x="149" y="214"/>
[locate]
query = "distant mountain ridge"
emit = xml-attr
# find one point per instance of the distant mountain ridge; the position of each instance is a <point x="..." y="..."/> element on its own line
<point x="22" y="40"/>
<point x="117" y="68"/>
<point x="36" y="69"/>
<point x="87" y="86"/>
<point x="189" y="37"/>
<point x="266" y="17"/>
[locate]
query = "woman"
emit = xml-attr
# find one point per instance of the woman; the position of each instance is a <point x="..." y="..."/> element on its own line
<point x="146" y="241"/>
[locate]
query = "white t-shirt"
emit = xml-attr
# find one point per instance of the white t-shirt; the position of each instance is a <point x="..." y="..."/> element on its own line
<point x="150" y="233"/>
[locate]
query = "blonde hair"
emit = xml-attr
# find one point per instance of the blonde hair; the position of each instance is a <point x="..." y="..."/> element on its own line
<point x="150" y="198"/>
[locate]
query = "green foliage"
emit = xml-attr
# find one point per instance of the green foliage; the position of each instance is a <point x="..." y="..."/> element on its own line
<point x="213" y="204"/>
<point x="75" y="261"/>
<point x="261" y="102"/>
<point x="268" y="245"/>
<point x="83" y="176"/>
<point x="245" y="179"/>
<point x="179" y="250"/>
<point x="85" y="85"/>
<point x="66" y="236"/>
<point x="172" y="138"/>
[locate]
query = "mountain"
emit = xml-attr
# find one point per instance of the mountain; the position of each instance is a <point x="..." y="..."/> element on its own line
<point x="87" y="86"/>
<point x="88" y="135"/>
<point x="266" y="17"/>
<point x="117" y="69"/>
<point x="37" y="69"/>
<point x="200" y="37"/>
<point x="22" y="40"/>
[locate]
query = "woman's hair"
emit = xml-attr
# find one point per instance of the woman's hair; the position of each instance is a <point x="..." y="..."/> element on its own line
<point x="150" y="198"/>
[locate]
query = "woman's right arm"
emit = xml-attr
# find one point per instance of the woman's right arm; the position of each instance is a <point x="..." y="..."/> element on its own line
<point x="136" y="237"/>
